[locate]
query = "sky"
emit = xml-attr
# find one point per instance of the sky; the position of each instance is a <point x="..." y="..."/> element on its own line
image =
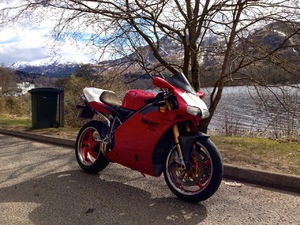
<point x="29" y="42"/>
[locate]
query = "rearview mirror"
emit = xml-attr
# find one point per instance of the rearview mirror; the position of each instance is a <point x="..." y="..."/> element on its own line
<point x="161" y="83"/>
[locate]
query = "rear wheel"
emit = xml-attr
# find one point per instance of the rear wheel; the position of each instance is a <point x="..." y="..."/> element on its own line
<point x="88" y="143"/>
<point x="203" y="177"/>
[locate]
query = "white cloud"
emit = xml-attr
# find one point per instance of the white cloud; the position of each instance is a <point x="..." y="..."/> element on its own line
<point x="30" y="39"/>
<point x="30" y="42"/>
<point x="24" y="44"/>
<point x="34" y="43"/>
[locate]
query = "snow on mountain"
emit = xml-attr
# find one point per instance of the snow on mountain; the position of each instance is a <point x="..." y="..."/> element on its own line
<point x="57" y="66"/>
<point x="54" y="61"/>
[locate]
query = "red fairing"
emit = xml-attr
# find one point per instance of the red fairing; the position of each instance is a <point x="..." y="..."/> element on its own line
<point x="134" y="99"/>
<point x="134" y="147"/>
<point x="100" y="107"/>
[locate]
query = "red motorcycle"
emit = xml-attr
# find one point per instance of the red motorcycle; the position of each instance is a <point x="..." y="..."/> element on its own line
<point x="154" y="134"/>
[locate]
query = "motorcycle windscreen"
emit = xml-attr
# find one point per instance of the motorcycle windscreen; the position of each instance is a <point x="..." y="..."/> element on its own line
<point x="180" y="81"/>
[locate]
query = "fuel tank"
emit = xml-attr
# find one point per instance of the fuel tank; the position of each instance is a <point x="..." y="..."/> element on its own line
<point x="134" y="99"/>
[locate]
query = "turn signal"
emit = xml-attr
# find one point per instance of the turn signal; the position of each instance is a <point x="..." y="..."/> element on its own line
<point x="162" y="109"/>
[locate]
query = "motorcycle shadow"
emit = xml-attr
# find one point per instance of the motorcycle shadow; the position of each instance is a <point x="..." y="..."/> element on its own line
<point x="74" y="197"/>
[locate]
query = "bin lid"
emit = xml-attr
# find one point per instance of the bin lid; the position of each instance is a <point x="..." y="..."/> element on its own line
<point x="45" y="89"/>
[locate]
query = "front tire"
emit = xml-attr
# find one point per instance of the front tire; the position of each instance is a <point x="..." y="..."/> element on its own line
<point x="88" y="144"/>
<point x="204" y="176"/>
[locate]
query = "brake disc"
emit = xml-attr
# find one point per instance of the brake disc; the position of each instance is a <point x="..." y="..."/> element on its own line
<point x="192" y="176"/>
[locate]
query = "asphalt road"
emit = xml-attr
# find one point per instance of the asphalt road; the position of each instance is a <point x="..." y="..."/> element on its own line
<point x="42" y="184"/>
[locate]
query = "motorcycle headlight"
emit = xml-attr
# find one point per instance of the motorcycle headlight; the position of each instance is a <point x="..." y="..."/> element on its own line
<point x="205" y="113"/>
<point x="194" y="111"/>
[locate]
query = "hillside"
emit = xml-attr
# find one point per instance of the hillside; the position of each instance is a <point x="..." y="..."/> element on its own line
<point x="250" y="48"/>
<point x="34" y="78"/>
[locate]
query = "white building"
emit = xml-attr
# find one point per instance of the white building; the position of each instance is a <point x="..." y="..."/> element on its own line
<point x="19" y="89"/>
<point x="24" y="87"/>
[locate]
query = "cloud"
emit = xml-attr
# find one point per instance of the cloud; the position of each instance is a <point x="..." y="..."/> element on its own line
<point x="34" y="42"/>
<point x="30" y="39"/>
<point x="24" y="44"/>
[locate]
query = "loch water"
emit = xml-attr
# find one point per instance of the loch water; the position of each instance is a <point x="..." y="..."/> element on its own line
<point x="255" y="109"/>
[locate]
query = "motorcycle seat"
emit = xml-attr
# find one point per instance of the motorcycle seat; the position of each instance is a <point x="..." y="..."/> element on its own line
<point x="111" y="99"/>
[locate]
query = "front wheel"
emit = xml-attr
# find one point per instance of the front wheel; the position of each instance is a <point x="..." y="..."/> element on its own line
<point x="88" y="143"/>
<point x="203" y="177"/>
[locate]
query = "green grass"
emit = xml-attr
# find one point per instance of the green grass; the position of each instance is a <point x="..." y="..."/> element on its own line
<point x="260" y="153"/>
<point x="15" y="122"/>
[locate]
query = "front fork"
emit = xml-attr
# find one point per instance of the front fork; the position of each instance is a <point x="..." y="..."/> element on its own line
<point x="176" y="135"/>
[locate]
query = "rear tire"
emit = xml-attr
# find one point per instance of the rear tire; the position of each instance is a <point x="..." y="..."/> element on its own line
<point x="87" y="150"/>
<point x="203" y="178"/>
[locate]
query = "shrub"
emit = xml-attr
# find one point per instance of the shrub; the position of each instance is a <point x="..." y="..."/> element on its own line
<point x="16" y="106"/>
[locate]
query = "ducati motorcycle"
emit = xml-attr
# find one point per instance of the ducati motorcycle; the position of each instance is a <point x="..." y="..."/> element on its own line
<point x="153" y="133"/>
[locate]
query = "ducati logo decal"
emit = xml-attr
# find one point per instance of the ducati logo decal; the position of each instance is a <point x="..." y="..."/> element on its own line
<point x="151" y="124"/>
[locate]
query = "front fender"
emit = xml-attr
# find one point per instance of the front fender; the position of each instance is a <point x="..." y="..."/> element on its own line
<point x="186" y="141"/>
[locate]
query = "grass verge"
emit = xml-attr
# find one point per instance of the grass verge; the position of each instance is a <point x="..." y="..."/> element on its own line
<point x="260" y="153"/>
<point x="9" y="121"/>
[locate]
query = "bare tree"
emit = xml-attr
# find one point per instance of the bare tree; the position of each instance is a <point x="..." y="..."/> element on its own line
<point x="7" y="78"/>
<point x="171" y="36"/>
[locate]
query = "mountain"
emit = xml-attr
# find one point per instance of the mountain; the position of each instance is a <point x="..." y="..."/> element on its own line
<point x="37" y="79"/>
<point x="268" y="37"/>
<point x="57" y="66"/>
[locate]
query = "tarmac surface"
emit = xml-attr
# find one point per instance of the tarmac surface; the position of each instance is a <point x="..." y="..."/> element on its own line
<point x="253" y="176"/>
<point x="42" y="184"/>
